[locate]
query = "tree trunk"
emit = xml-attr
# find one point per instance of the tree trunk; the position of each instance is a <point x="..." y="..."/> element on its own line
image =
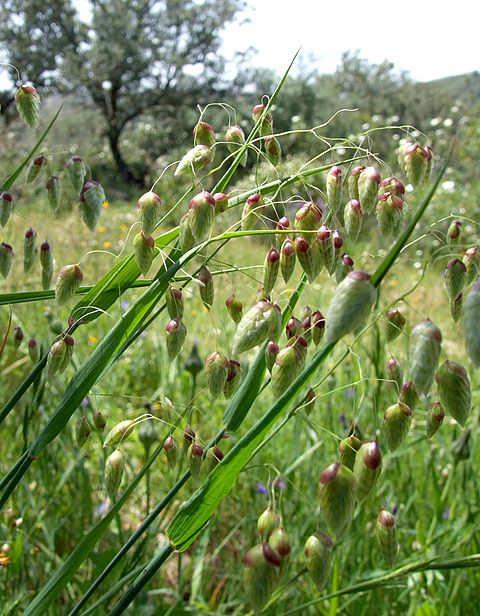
<point x="125" y="171"/>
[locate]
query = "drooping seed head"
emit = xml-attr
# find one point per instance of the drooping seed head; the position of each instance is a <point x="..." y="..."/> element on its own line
<point x="149" y="206"/>
<point x="234" y="307"/>
<point x="221" y="202"/>
<point x="203" y="134"/>
<point x="454" y="390"/>
<point x="426" y="342"/>
<point x="397" y="420"/>
<point x="318" y="558"/>
<point x="308" y="217"/>
<point x="267" y="522"/>
<point x="68" y="282"/>
<point x="435" y="419"/>
<point x="394" y="324"/>
<point x="196" y="159"/>
<point x="337" y="493"/>
<point x="119" y="433"/>
<point x="367" y="468"/>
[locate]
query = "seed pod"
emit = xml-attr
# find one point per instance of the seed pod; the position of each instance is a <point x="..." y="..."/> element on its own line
<point x="318" y="327"/>
<point x="368" y="183"/>
<point x="29" y="249"/>
<point x="350" y="306"/>
<point x="270" y="270"/>
<point x="258" y="578"/>
<point x="389" y="212"/>
<point x="150" y="206"/>
<point x="194" y="459"/>
<point x="426" y="346"/>
<point x="394" y="324"/>
<point x="271" y="352"/>
<point x="324" y="241"/>
<point x="203" y="134"/>
<point x="195" y="160"/>
<point x="234" y="307"/>
<point x="46" y="261"/>
<point x="221" y="202"/>
<point x="53" y="192"/>
<point x="60" y="355"/>
<point x="409" y="395"/>
<point x="334" y="188"/>
<point x="267" y="522"/>
<point x="119" y="432"/>
<point x="233" y="378"/>
<point x="27" y="101"/>
<point x="392" y="185"/>
<point x="99" y="420"/>
<point x="308" y="217"/>
<point x="367" y="468"/>
<point x="6" y="207"/>
<point x="344" y="267"/>
<point x="397" y="420"/>
<point x="453" y="232"/>
<point x="114" y="467"/>
<point x="386" y="536"/>
<point x="288" y="363"/>
<point x="273" y="149"/>
<point x="6" y="258"/>
<point x="454" y="277"/>
<point x="347" y="449"/>
<point x="456" y="307"/>
<point x="171" y="451"/>
<point x="454" y="390"/>
<point x="18" y="336"/>
<point x="352" y="181"/>
<point x="235" y="137"/>
<point x="207" y="290"/>
<point x="318" y="557"/>
<point x="216" y="369"/>
<point x="353" y="217"/>
<point x="287" y="259"/>
<point x="82" y="431"/>
<point x="176" y="334"/>
<point x="185" y="235"/>
<point x="145" y="251"/>
<point x="308" y="257"/>
<point x="33" y="350"/>
<point x="308" y="402"/>
<point x="261" y="322"/>
<point x="471" y="260"/>
<point x="337" y="497"/>
<point x="77" y="172"/>
<point x="68" y="281"/>
<point x="92" y="198"/>
<point x="35" y="168"/>
<point x="266" y="127"/>
<point x="174" y="301"/>
<point x="395" y="372"/>
<point x="147" y="434"/>
<point x="202" y="212"/>
<point x="435" y="418"/>
<point x="471" y="318"/>
<point x="416" y="162"/>
<point x="252" y="211"/>
<point x="293" y="327"/>
<point x="279" y="542"/>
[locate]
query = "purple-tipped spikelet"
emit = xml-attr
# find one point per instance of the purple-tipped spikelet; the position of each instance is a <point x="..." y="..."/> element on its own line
<point x="119" y="433"/>
<point x="368" y="183"/>
<point x="207" y="289"/>
<point x="46" y="262"/>
<point x="252" y="211"/>
<point x="234" y="307"/>
<point x="259" y="578"/>
<point x="6" y="207"/>
<point x="261" y="322"/>
<point x="194" y="459"/>
<point x="324" y="241"/>
<point x="395" y="372"/>
<point x="221" y="202"/>
<point x="293" y="327"/>
<point x="196" y="159"/>
<point x="367" y="468"/>
<point x="266" y="127"/>
<point x="270" y="270"/>
<point x="279" y="542"/>
<point x="271" y="351"/>
<point x="27" y="101"/>
<point x="150" y="207"/>
<point x="396" y="423"/>
<point x="308" y="257"/>
<point x="203" y="134"/>
<point x="53" y="192"/>
<point x="288" y="363"/>
<point x="471" y="260"/>
<point x="309" y="401"/>
<point x="114" y="467"/>
<point x="353" y="217"/>
<point x="318" y="327"/>
<point x="36" y="166"/>
<point x="318" y="558"/>
<point x="185" y="235"/>
<point x="426" y="343"/>
<point x="216" y="369"/>
<point x="267" y="522"/>
<point x="337" y="493"/>
<point x="454" y="277"/>
<point x="308" y="217"/>
<point x="82" y="431"/>
<point x="409" y="395"/>
<point x="415" y="162"/>
<point x="393" y="186"/>
<point x="435" y="418"/>
<point x="234" y="376"/>
<point x="60" y="355"/>
<point x="287" y="259"/>
<point x="454" y="390"/>
<point x="386" y="536"/>
<point x="352" y="181"/>
<point x="33" y="350"/>
<point x="145" y="251"/>
<point x="454" y="231"/>
<point x="344" y="266"/>
<point x="202" y="212"/>
<point x="307" y="328"/>
<point x="77" y="172"/>
<point x="171" y="451"/>
<point x="6" y="258"/>
<point x="471" y="319"/>
<point x="176" y="334"/>
<point x="350" y="306"/>
<point x="18" y="336"/>
<point x="394" y="324"/>
<point x="389" y="212"/>
<point x="273" y="149"/>
<point x="235" y="137"/>
<point x="92" y="198"/>
<point x="283" y="224"/>
<point x="347" y="450"/>
<point x="99" y="420"/>
<point x="174" y="301"/>
<point x="334" y="189"/>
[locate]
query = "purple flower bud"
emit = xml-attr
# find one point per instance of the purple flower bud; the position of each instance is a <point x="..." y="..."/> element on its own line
<point x="6" y="258"/>
<point x="270" y="270"/>
<point x="368" y="182"/>
<point x="176" y="334"/>
<point x="6" y="207"/>
<point x="353" y="181"/>
<point x="283" y="224"/>
<point x="271" y="353"/>
<point x="252" y="211"/>
<point x="271" y="555"/>
<point x="287" y="259"/>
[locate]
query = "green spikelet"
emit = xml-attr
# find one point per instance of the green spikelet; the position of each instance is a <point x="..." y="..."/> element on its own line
<point x="60" y="355"/>
<point x="352" y="182"/>
<point x="393" y="186"/>
<point x="318" y="558"/>
<point x="287" y="259"/>
<point x="253" y="211"/>
<point x="202" y="212"/>
<point x="318" y="327"/>
<point x="216" y="369"/>
<point x="174" y="301"/>
<point x="280" y="543"/>
<point x="396" y="423"/>
<point x="454" y="277"/>
<point x="68" y="281"/>
<point x="207" y="289"/>
<point x="395" y="372"/>
<point x="203" y="134"/>
<point x="267" y="522"/>
<point x="145" y="251"/>
<point x="337" y="497"/>
<point x="36" y="167"/>
<point x="176" y="334"/>
<point x="259" y="578"/>
<point x="33" y="350"/>
<point x="353" y="217"/>
<point x="435" y="419"/>
<point x="271" y="351"/>
<point x="368" y="183"/>
<point x="234" y="307"/>
<point x="367" y="468"/>
<point x="18" y="336"/>
<point x="150" y="207"/>
<point x="471" y="319"/>
<point x="53" y="192"/>
<point x="195" y="160"/>
<point x="471" y="259"/>
<point x="194" y="459"/>
<point x="456" y="307"/>
<point x="82" y="431"/>
<point x="92" y="198"/>
<point x="273" y="149"/>
<point x="266" y="127"/>
<point x="389" y="212"/>
<point x="221" y="202"/>
<point x="394" y="324"/>
<point x="77" y="172"/>
<point x="344" y="267"/>
<point x="235" y="137"/>
<point x="171" y="451"/>
<point x="351" y="305"/>
<point x="334" y="189"/>
<point x="46" y="262"/>
<point x="99" y="420"/>
<point x="270" y="270"/>
<point x="308" y="217"/>
<point x="409" y="395"/>
<point x="7" y="204"/>
<point x="416" y="162"/>
<point x="454" y="390"/>
<point x="234" y="377"/>
<point x="309" y="401"/>
<point x="347" y="449"/>
<point x="426" y="341"/>
<point x="454" y="232"/>
<point x="288" y="363"/>
<point x="27" y="101"/>
<point x="325" y="243"/>
<point x="6" y="258"/>
<point x="114" y="468"/>
<point x="119" y="433"/>
<point x="185" y="236"/>
<point x="308" y="256"/>
<point x="261" y="322"/>
<point x="386" y="536"/>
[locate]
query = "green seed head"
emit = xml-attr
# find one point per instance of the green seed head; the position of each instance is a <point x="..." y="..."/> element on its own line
<point x="416" y="162"/>
<point x="426" y="343"/>
<point x="308" y="256"/>
<point x="207" y="289"/>
<point x="29" y="249"/>
<point x="68" y="281"/>
<point x="202" y="212"/>
<point x="92" y="199"/>
<point x="454" y="277"/>
<point x="471" y="318"/>
<point x="18" y="336"/>
<point x="393" y="186"/>
<point x="114" y="467"/>
<point x="234" y="307"/>
<point x="6" y="258"/>
<point x="334" y="188"/>
<point x="171" y="451"/>
<point x="454" y="390"/>
<point x="150" y="207"/>
<point x="266" y="127"/>
<point x="337" y="493"/>
<point x="196" y="159"/>
<point x="268" y="521"/>
<point x="145" y="251"/>
<point x="119" y="432"/>
<point x="389" y="212"/>
<point x="435" y="419"/>
<point x="408" y="395"/>
<point x="318" y="327"/>
<point x="394" y="324"/>
<point x="273" y="149"/>
<point x="396" y="423"/>
<point x="176" y="334"/>
<point x="33" y="350"/>
<point x="368" y="183"/>
<point x="288" y="363"/>
<point x="471" y="259"/>
<point x="259" y="577"/>
<point x="271" y="351"/>
<point x="318" y="558"/>
<point x="367" y="468"/>
<point x="234" y="376"/>
<point x="347" y="449"/>
<point x="7" y="204"/>
<point x="454" y="232"/>
<point x="280" y="542"/>
<point x="395" y="372"/>
<point x="82" y="431"/>
<point x="261" y="322"/>
<point x="216" y="369"/>
<point x="185" y="236"/>
<point x="270" y="270"/>
<point x="252" y="215"/>
<point x="53" y="192"/>
<point x="99" y="420"/>
<point x="27" y="101"/>
<point x="221" y="202"/>
<point x="287" y="259"/>
<point x="174" y="301"/>
<point x="194" y="459"/>
<point x="204" y="134"/>
<point x="386" y="536"/>
<point x="308" y="217"/>
<point x="77" y="172"/>
<point x="352" y="181"/>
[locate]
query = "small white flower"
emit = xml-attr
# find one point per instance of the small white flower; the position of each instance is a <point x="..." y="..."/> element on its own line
<point x="448" y="122"/>
<point x="448" y="186"/>
<point x="435" y="121"/>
